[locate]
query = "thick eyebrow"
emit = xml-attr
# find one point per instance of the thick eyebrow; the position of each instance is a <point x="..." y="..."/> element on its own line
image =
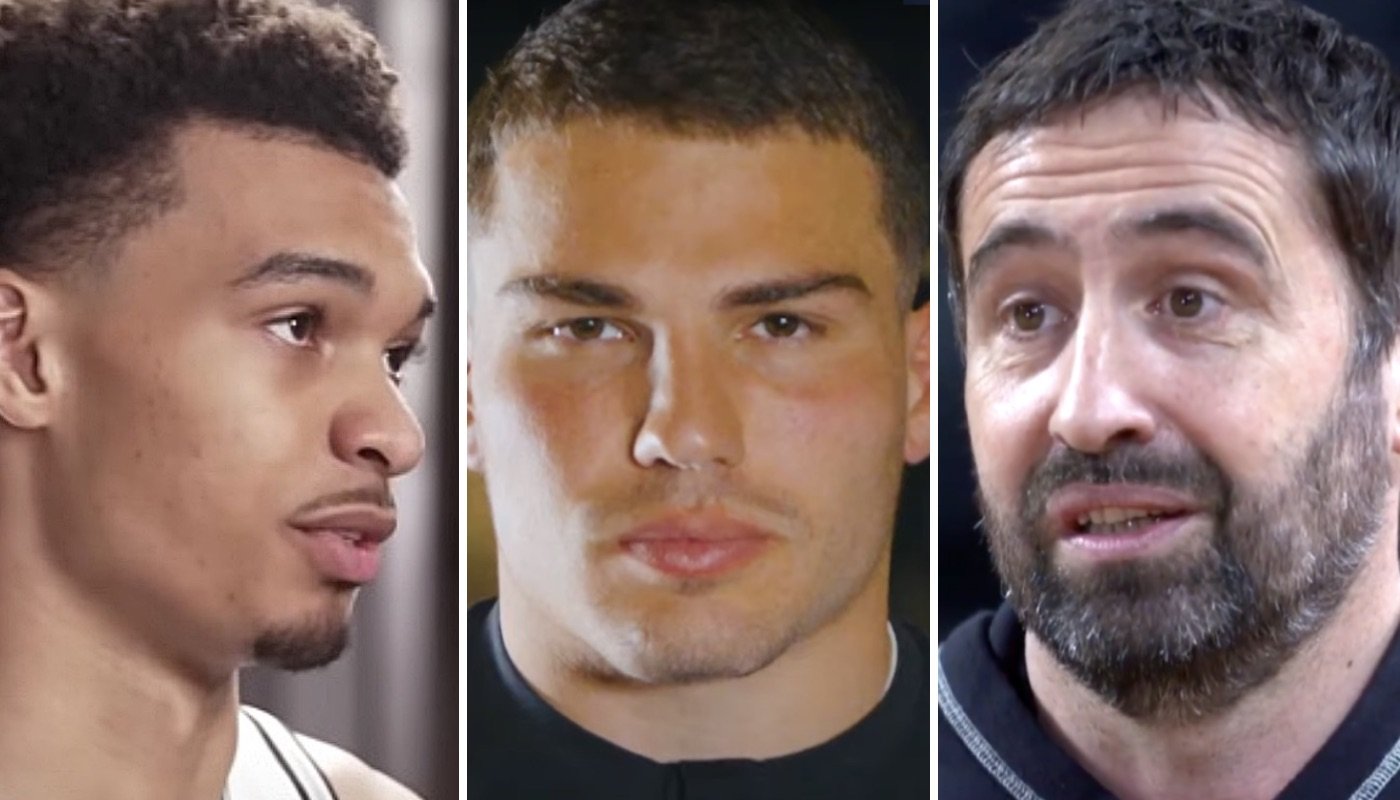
<point x="1005" y="236"/>
<point x="784" y="289"/>
<point x="1218" y="227"/>
<point x="578" y="291"/>
<point x="291" y="267"/>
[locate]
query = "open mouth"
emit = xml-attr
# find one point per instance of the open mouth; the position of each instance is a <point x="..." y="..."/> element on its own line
<point x="1120" y="520"/>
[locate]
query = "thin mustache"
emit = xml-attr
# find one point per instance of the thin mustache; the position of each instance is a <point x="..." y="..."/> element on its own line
<point x="378" y="496"/>
<point x="670" y="493"/>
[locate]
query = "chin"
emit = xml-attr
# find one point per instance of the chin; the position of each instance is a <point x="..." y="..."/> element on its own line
<point x="308" y="643"/>
<point x="693" y="644"/>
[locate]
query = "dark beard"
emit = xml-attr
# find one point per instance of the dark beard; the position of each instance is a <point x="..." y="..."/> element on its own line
<point x="311" y="644"/>
<point x="1188" y="634"/>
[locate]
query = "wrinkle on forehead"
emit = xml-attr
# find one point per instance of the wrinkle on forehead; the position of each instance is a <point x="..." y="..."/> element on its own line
<point x="1135" y="144"/>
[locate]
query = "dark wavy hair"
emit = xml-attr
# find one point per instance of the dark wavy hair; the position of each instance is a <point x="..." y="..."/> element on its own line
<point x="1281" y="67"/>
<point x="708" y="67"/>
<point x="92" y="91"/>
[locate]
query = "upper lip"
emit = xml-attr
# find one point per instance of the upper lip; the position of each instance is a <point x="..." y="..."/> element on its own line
<point x="1068" y="505"/>
<point x="703" y="526"/>
<point x="369" y="522"/>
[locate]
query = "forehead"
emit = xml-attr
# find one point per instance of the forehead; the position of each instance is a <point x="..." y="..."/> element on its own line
<point x="614" y="195"/>
<point x="1089" y="171"/>
<point x="245" y="196"/>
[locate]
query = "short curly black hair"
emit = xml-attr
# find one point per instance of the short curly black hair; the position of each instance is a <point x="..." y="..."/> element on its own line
<point x="727" y="68"/>
<point x="92" y="91"/>
<point x="1277" y="64"/>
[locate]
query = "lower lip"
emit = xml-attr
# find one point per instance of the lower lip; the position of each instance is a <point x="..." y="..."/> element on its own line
<point x="695" y="558"/>
<point x="341" y="559"/>
<point x="1137" y="543"/>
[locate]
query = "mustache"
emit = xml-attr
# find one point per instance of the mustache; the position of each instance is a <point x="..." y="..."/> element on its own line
<point x="693" y="491"/>
<point x="378" y="496"/>
<point x="1180" y="467"/>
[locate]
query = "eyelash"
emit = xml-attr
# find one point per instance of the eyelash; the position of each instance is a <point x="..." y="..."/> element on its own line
<point x="1211" y="304"/>
<point x="1008" y="320"/>
<point x="395" y="358"/>
<point x="569" y="329"/>
<point x="806" y="327"/>
<point x="314" y="317"/>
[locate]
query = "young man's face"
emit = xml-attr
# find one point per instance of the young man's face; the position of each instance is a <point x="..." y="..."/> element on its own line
<point x="218" y="467"/>
<point x="691" y="384"/>
<point x="1179" y="478"/>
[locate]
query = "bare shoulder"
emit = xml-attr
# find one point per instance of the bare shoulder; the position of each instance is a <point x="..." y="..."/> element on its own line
<point x="352" y="778"/>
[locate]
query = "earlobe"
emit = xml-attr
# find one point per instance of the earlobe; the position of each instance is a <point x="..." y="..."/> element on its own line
<point x="25" y="393"/>
<point x="918" y="434"/>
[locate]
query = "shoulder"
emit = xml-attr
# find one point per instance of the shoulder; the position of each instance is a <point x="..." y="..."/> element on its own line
<point x="352" y="778"/>
<point x="478" y="614"/>
<point x="272" y="759"/>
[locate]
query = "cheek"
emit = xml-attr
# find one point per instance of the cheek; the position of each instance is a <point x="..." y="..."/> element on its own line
<point x="842" y="431"/>
<point x="174" y="433"/>
<point x="1008" y="424"/>
<point x="543" y="426"/>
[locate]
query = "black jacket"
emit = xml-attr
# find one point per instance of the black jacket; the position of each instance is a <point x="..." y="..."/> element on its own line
<point x="991" y="746"/>
<point x="519" y="747"/>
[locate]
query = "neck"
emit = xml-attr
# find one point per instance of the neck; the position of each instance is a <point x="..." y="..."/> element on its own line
<point x="1255" y="748"/>
<point x="818" y="688"/>
<point x="86" y="709"/>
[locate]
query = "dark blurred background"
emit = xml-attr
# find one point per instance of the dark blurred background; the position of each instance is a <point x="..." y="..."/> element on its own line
<point x="971" y="34"/>
<point x="895" y="36"/>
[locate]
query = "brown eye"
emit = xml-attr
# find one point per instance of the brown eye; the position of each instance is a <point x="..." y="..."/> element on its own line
<point x="397" y="358"/>
<point x="587" y="329"/>
<point x="1185" y="303"/>
<point x="1028" y="317"/>
<point x="782" y="326"/>
<point x="296" y="328"/>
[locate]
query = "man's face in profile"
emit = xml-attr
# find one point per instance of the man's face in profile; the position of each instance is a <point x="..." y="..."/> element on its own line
<point x="231" y="417"/>
<point x="1179" y="475"/>
<point x="690" y="384"/>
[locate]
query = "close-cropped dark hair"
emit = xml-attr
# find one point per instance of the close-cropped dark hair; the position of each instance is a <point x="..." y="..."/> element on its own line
<point x="93" y="91"/>
<point x="1281" y="67"/>
<point x="727" y="68"/>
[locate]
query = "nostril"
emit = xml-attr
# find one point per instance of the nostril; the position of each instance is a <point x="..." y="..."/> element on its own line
<point x="374" y="455"/>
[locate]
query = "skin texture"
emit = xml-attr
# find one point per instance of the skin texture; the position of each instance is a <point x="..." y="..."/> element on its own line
<point x="590" y="418"/>
<point x="165" y="425"/>
<point x="1101" y="339"/>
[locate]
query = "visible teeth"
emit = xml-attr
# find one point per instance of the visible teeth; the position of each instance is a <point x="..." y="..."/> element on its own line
<point x="1115" y="517"/>
<point x="352" y="537"/>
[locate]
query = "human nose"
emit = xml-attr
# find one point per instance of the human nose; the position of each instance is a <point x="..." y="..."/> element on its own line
<point x="1099" y="404"/>
<point x="690" y="420"/>
<point x="378" y="430"/>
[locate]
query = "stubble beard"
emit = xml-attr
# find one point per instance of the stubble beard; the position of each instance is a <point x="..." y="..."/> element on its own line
<point x="309" y="643"/>
<point x="1186" y="636"/>
<point x="706" y="644"/>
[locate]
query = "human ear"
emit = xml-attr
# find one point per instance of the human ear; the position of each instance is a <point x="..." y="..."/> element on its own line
<point x="474" y="460"/>
<point x="1391" y="378"/>
<point x="917" y="433"/>
<point x="26" y="376"/>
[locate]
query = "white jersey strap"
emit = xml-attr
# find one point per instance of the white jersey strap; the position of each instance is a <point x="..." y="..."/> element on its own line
<point x="270" y="764"/>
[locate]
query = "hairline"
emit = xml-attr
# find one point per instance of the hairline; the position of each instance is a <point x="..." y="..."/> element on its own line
<point x="155" y="186"/>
